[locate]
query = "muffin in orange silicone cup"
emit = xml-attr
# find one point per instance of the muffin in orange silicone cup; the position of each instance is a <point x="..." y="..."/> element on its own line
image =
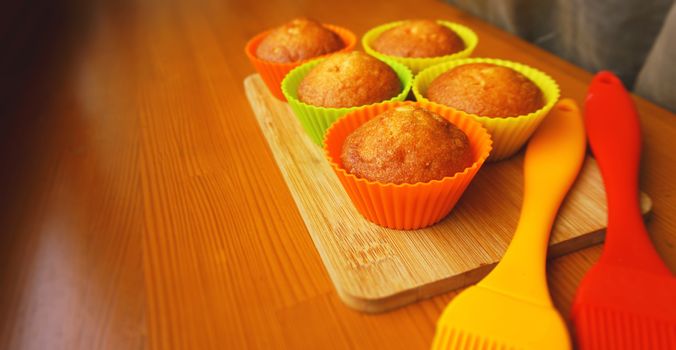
<point x="405" y="206"/>
<point x="273" y="73"/>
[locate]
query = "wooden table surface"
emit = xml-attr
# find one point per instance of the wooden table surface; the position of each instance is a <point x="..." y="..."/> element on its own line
<point x="142" y="208"/>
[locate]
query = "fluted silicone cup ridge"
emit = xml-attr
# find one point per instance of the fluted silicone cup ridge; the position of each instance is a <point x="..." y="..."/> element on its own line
<point x="405" y="206"/>
<point x="273" y="73"/>
<point x="508" y="134"/>
<point x="316" y="120"/>
<point x="417" y="64"/>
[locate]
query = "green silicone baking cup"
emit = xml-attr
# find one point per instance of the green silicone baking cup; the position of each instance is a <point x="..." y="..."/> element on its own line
<point x="417" y="64"/>
<point x="316" y="120"/>
<point x="508" y="134"/>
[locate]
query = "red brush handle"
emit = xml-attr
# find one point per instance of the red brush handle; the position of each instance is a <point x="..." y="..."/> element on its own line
<point x="614" y="135"/>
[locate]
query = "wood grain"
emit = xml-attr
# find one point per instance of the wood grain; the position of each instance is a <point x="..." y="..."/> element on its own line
<point x="375" y="269"/>
<point x="142" y="207"/>
<point x="70" y="261"/>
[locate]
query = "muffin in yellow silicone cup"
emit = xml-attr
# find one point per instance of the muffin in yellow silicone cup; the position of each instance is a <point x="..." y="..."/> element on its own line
<point x="405" y="206"/>
<point x="509" y="134"/>
<point x="417" y="64"/>
<point x="316" y="120"/>
<point x="273" y="73"/>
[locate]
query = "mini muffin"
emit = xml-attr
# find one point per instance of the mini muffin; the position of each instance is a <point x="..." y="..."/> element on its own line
<point x="298" y="40"/>
<point x="348" y="80"/>
<point x="406" y="144"/>
<point x="487" y="90"/>
<point x="418" y="38"/>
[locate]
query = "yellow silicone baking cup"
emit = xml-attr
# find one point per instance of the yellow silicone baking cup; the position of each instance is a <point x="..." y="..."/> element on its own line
<point x="315" y="120"/>
<point x="404" y="206"/>
<point x="417" y="64"/>
<point x="508" y="134"/>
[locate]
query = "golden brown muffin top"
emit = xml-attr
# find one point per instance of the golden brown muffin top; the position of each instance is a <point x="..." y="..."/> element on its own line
<point x="418" y="38"/>
<point x="298" y="40"/>
<point x="406" y="144"/>
<point x="486" y="90"/>
<point x="347" y="80"/>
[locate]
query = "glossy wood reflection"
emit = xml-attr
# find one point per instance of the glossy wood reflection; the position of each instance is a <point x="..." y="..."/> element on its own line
<point x="142" y="208"/>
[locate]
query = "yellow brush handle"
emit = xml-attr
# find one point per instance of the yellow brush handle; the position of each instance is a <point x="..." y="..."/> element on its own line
<point x="553" y="159"/>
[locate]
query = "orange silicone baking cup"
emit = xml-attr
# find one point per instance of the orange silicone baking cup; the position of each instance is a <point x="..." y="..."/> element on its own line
<point x="273" y="73"/>
<point x="405" y="206"/>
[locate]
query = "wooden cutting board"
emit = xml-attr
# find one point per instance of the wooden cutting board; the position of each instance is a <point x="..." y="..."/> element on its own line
<point x="375" y="269"/>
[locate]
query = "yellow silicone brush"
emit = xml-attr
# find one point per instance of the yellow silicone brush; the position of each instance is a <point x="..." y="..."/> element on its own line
<point x="511" y="307"/>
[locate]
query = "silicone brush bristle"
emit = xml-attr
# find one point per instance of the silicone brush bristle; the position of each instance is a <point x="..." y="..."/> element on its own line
<point x="453" y="338"/>
<point x="607" y="328"/>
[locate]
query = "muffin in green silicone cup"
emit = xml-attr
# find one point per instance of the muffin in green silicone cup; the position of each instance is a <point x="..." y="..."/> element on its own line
<point x="509" y="134"/>
<point x="417" y="64"/>
<point x="315" y="119"/>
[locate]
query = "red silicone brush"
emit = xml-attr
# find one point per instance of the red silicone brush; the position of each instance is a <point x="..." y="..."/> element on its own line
<point x="628" y="299"/>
